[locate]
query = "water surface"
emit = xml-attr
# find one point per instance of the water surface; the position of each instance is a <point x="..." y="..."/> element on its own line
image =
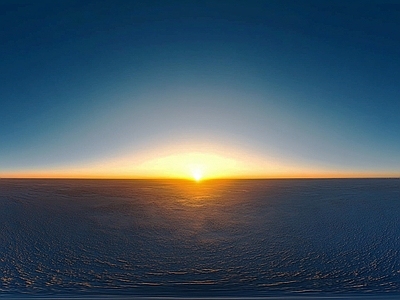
<point x="242" y="238"/>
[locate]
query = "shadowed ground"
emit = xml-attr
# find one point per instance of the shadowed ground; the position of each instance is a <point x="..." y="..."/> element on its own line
<point x="241" y="238"/>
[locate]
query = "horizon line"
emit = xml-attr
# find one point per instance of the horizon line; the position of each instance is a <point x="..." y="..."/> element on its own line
<point x="205" y="179"/>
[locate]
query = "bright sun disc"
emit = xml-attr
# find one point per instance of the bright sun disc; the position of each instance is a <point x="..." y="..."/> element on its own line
<point x="197" y="175"/>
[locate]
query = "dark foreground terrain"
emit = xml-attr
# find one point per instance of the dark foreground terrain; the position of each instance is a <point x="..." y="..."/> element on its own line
<point x="241" y="238"/>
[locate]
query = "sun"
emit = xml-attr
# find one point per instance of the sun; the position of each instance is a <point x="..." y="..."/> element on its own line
<point x="197" y="174"/>
<point x="193" y="165"/>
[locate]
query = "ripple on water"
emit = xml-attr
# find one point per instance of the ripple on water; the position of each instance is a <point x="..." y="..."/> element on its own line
<point x="220" y="238"/>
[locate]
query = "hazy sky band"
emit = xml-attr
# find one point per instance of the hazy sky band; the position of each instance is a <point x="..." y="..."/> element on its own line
<point x="311" y="84"/>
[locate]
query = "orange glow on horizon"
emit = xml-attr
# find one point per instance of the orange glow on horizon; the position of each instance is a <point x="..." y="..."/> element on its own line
<point x="98" y="175"/>
<point x="195" y="162"/>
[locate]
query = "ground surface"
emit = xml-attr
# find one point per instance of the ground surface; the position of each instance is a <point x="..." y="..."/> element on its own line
<point x="243" y="238"/>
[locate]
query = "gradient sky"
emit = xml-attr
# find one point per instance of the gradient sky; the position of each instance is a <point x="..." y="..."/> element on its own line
<point x="305" y="86"/>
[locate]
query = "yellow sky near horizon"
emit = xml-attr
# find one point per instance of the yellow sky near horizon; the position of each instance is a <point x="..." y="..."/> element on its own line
<point x="193" y="162"/>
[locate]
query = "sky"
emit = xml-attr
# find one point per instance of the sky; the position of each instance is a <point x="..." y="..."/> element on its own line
<point x="225" y="88"/>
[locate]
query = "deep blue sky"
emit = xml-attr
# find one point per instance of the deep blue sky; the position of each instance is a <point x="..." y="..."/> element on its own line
<point x="313" y="82"/>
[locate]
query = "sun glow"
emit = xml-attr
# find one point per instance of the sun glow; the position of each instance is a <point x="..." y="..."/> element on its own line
<point x="196" y="162"/>
<point x="193" y="165"/>
<point x="197" y="174"/>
